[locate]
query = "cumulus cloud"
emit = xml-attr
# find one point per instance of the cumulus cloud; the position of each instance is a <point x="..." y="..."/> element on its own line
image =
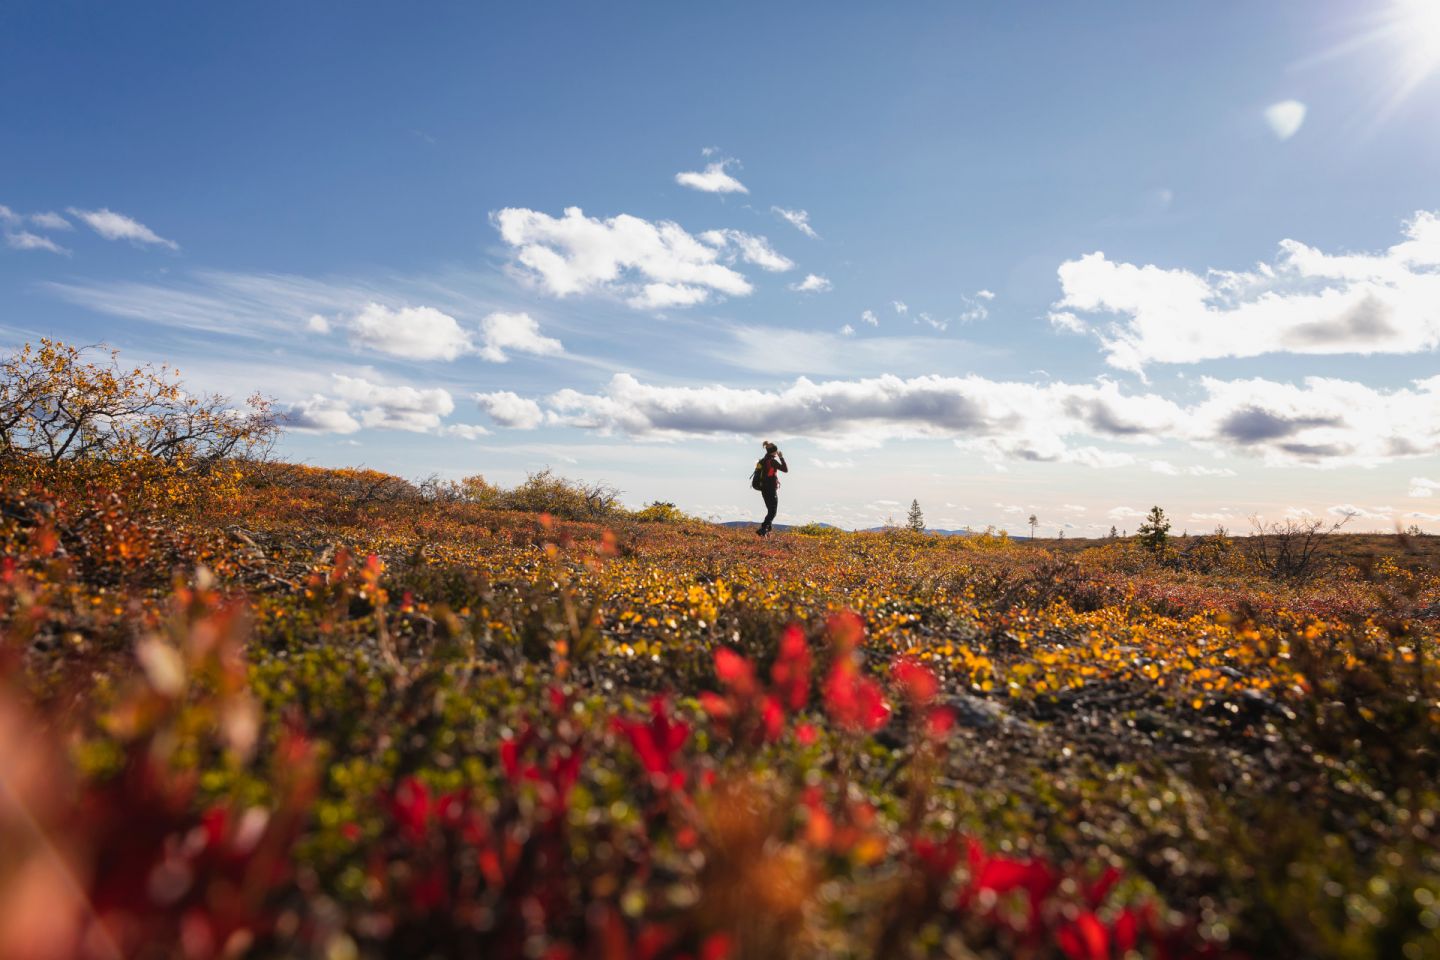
<point x="713" y="179"/>
<point x="25" y="240"/>
<point x="1319" y="422"/>
<point x="509" y="409"/>
<point x="116" y="226"/>
<point x="799" y="219"/>
<point x="900" y="307"/>
<point x="416" y="409"/>
<point x="465" y="431"/>
<point x="868" y="316"/>
<point x="1004" y="419"/>
<point x="355" y="402"/>
<point x="1285" y="118"/>
<point x="321" y="414"/>
<point x="415" y="333"/>
<point x="1306" y="301"/>
<point x="425" y="333"/>
<point x="847" y="331"/>
<point x="517" y="332"/>
<point x="9" y="216"/>
<point x="649" y="265"/>
<point x="813" y="283"/>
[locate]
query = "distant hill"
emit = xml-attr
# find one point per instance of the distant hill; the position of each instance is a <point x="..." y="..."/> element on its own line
<point x="750" y="524"/>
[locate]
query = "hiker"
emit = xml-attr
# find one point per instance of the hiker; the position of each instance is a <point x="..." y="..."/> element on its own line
<point x="767" y="481"/>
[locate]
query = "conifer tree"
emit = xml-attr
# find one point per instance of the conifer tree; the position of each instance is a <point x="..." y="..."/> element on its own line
<point x="1155" y="531"/>
<point x="916" y="520"/>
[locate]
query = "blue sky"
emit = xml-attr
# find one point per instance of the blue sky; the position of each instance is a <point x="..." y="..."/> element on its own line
<point x="1054" y="258"/>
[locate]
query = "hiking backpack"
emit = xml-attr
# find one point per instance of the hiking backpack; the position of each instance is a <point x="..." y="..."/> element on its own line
<point x="757" y="479"/>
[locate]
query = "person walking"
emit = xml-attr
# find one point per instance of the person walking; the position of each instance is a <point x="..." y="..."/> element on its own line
<point x="770" y="467"/>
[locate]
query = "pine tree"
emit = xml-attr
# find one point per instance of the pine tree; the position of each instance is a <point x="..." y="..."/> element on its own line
<point x="1034" y="522"/>
<point x="916" y="520"/>
<point x="1155" y="531"/>
<point x="1113" y="532"/>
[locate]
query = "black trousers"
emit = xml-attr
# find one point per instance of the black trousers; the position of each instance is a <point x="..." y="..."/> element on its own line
<point x="772" y="504"/>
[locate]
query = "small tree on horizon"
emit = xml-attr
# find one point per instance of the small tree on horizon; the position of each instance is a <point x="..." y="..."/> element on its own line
<point x="1155" y="531"/>
<point x="1034" y="522"/>
<point x="916" y="520"/>
<point x="1113" y="532"/>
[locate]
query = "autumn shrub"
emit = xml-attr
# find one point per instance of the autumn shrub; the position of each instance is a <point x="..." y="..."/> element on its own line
<point x="661" y="512"/>
<point x="70" y="423"/>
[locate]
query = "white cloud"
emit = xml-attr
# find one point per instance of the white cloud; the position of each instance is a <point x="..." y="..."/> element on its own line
<point x="517" y="332"/>
<point x="25" y="240"/>
<point x="1306" y="301"/>
<point x="1165" y="468"/>
<point x="510" y="409"/>
<point x="999" y="419"/>
<point x="1122" y="513"/>
<point x="847" y="331"/>
<point x="355" y="402"/>
<point x="813" y="283"/>
<point x="845" y="464"/>
<point x="1320" y="422"/>
<point x="416" y="409"/>
<point x="1285" y="118"/>
<point x="985" y="294"/>
<point x="50" y="221"/>
<point x="750" y="248"/>
<point x="117" y="226"/>
<point x="1219" y="516"/>
<point x="9" y="216"/>
<point x="868" y="316"/>
<point x="415" y="333"/>
<point x="714" y="179"/>
<point x="799" y="219"/>
<point x="321" y="414"/>
<point x="466" y="431"/>
<point x="1423" y="487"/>
<point x="317" y="324"/>
<point x="650" y="265"/>
<point x="1350" y="511"/>
<point x="900" y="307"/>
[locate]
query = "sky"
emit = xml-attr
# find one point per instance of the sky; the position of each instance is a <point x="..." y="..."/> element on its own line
<point x="1070" y="260"/>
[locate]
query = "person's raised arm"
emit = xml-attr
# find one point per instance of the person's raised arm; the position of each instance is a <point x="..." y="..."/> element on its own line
<point x="781" y="464"/>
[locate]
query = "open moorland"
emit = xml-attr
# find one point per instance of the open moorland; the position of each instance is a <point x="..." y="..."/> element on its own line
<point x="329" y="713"/>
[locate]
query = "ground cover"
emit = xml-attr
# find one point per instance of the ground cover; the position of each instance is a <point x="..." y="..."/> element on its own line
<point x="333" y="714"/>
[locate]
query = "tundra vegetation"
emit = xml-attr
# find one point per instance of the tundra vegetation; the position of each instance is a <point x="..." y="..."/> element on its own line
<point x="255" y="709"/>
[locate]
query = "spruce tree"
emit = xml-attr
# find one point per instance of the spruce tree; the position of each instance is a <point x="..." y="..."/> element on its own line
<point x="1155" y="531"/>
<point x="916" y="520"/>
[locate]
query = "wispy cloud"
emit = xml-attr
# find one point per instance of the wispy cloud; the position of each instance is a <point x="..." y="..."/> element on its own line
<point x="799" y="219"/>
<point x="713" y="179"/>
<point x="50" y="221"/>
<point x="116" y="226"/>
<point x="25" y="240"/>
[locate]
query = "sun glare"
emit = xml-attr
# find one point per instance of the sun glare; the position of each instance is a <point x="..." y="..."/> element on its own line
<point x="1415" y="25"/>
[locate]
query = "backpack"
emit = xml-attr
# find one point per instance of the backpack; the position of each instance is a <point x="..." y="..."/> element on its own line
<point x="757" y="479"/>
